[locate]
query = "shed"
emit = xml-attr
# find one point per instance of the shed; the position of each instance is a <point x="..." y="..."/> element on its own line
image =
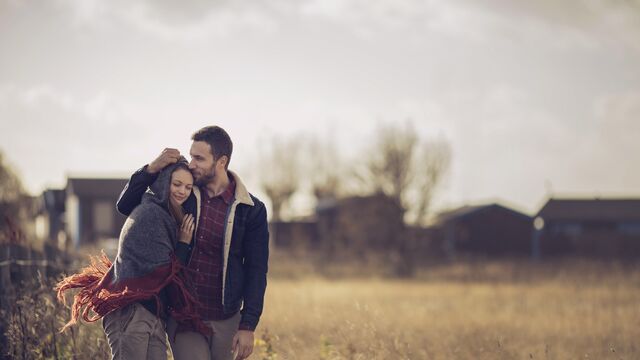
<point x="90" y="209"/>
<point x="489" y="229"/>
<point x="590" y="226"/>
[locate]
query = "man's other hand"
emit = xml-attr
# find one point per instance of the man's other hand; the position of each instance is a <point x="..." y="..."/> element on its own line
<point x="167" y="156"/>
<point x="243" y="344"/>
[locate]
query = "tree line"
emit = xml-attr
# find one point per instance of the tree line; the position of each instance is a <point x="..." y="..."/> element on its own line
<point x="397" y="163"/>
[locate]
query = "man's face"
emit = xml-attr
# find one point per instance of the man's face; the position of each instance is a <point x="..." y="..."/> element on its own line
<point x="202" y="165"/>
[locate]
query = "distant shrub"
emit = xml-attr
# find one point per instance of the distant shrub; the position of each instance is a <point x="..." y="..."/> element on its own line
<point x="33" y="324"/>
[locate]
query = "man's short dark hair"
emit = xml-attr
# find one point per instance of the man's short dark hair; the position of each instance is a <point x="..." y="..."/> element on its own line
<point x="218" y="139"/>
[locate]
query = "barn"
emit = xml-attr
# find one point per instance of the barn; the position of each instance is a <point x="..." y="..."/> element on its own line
<point x="488" y="229"/>
<point x="589" y="227"/>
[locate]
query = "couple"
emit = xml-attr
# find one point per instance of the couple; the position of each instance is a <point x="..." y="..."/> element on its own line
<point x="191" y="263"/>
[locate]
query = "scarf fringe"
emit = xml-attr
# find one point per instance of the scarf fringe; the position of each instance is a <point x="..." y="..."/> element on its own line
<point x="87" y="280"/>
<point x="98" y="295"/>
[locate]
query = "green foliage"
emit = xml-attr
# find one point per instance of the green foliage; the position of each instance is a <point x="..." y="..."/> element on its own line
<point x="327" y="350"/>
<point x="15" y="204"/>
<point x="11" y="188"/>
<point x="264" y="346"/>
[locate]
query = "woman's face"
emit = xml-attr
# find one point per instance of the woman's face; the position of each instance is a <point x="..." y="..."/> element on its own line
<point x="181" y="184"/>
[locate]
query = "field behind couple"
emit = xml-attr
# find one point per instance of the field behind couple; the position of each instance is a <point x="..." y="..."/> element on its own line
<point x="569" y="309"/>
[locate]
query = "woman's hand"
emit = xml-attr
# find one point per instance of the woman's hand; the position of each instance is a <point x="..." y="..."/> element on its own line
<point x="186" y="229"/>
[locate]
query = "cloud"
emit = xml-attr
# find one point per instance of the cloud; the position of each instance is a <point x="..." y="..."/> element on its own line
<point x="618" y="128"/>
<point x="369" y="16"/>
<point x="604" y="160"/>
<point x="45" y="130"/>
<point x="99" y="109"/>
<point x="588" y="23"/>
<point x="184" y="21"/>
<point x="212" y="22"/>
<point x="44" y="95"/>
<point x="503" y="144"/>
<point x="562" y="24"/>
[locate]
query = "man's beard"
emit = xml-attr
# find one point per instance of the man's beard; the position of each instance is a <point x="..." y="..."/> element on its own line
<point x="205" y="178"/>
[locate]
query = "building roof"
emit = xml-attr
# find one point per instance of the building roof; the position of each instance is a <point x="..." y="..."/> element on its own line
<point x="95" y="187"/>
<point x="328" y="204"/>
<point x="591" y="209"/>
<point x="470" y="210"/>
<point x="377" y="198"/>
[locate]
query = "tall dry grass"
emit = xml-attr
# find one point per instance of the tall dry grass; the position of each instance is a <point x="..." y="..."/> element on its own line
<point x="570" y="309"/>
<point x="33" y="326"/>
<point x="474" y="310"/>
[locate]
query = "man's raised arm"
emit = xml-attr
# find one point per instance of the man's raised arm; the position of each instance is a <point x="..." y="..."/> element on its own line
<point x="131" y="195"/>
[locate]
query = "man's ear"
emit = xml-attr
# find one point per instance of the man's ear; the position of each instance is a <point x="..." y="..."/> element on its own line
<point x="223" y="160"/>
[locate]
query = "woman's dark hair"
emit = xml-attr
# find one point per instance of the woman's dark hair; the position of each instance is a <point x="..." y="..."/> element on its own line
<point x="181" y="164"/>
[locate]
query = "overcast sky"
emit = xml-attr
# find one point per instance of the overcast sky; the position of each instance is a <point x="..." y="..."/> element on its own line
<point x="534" y="96"/>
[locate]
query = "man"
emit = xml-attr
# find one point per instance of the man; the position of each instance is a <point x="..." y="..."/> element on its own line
<point x="228" y="254"/>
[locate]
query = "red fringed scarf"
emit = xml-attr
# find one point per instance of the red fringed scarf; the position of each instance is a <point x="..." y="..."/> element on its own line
<point x="98" y="293"/>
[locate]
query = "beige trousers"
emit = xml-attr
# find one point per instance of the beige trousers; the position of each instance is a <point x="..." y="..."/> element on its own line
<point x="135" y="333"/>
<point x="195" y="346"/>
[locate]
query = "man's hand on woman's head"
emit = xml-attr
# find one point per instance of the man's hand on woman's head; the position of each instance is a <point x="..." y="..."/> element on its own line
<point x="167" y="156"/>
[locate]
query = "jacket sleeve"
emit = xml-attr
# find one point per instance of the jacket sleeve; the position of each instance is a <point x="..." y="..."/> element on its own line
<point x="131" y="195"/>
<point x="256" y="250"/>
<point x="182" y="252"/>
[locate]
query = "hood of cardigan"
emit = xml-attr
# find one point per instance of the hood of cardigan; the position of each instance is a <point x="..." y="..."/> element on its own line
<point x="159" y="191"/>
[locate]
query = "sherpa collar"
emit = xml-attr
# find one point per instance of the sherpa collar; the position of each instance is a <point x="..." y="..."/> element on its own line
<point x="242" y="195"/>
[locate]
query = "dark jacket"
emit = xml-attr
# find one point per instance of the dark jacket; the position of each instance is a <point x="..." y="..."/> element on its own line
<point x="245" y="250"/>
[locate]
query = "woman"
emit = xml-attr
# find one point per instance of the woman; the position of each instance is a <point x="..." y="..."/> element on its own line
<point x="136" y="293"/>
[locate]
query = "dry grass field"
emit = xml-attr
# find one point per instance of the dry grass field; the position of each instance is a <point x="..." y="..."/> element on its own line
<point x="495" y="310"/>
<point x="571" y="309"/>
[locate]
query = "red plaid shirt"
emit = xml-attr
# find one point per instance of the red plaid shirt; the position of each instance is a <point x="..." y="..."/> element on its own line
<point x="206" y="260"/>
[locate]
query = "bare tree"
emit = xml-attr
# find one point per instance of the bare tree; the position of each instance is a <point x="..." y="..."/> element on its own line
<point x="429" y="169"/>
<point x="406" y="169"/>
<point x="280" y="173"/>
<point x="389" y="168"/>
<point x="409" y="172"/>
<point x="323" y="167"/>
